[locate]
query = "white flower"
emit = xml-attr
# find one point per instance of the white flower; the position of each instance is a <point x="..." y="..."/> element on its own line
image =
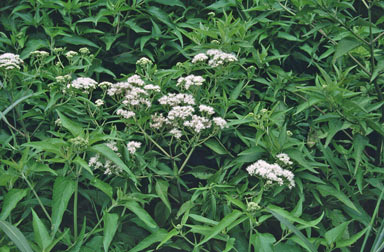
<point x="180" y="112"/>
<point x="190" y="80"/>
<point x="177" y="99"/>
<point x="284" y="158"/>
<point x="220" y="122"/>
<point x="157" y="121"/>
<point x="132" y="146"/>
<point x="218" y="57"/>
<point x="125" y="113"/>
<point x="41" y="54"/>
<point x="105" y="84"/>
<point x="207" y="109"/>
<point x="71" y="54"/>
<point x="84" y="50"/>
<point x="83" y="83"/>
<point x="201" y="57"/>
<point x="198" y="123"/>
<point x="112" y="145"/>
<point x="10" y="61"/>
<point x="175" y="132"/>
<point x="99" y="102"/>
<point x="152" y="87"/>
<point x="271" y="172"/>
<point x="143" y="62"/>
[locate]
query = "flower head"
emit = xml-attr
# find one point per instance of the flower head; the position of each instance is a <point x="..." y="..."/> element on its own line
<point x="132" y="146"/>
<point x="9" y="61"/>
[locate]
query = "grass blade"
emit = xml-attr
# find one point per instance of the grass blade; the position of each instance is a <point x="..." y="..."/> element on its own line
<point x="16" y="236"/>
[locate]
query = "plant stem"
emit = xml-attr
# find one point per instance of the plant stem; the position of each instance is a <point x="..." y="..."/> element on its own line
<point x="37" y="197"/>
<point x="75" y="202"/>
<point x="154" y="142"/>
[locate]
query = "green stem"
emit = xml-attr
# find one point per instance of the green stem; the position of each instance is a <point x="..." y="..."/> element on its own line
<point x="37" y="197"/>
<point x="186" y="159"/>
<point x="75" y="203"/>
<point x="154" y="142"/>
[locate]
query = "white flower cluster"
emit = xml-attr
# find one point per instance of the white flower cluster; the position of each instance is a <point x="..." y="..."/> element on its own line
<point x="125" y="113"/>
<point x="272" y="173"/>
<point x="83" y="83"/>
<point x="107" y="165"/>
<point x="41" y="54"/>
<point x="143" y="62"/>
<point x="181" y="115"/>
<point x="215" y="57"/>
<point x="176" y="99"/>
<point x="284" y="158"/>
<point x="134" y="90"/>
<point x="9" y="61"/>
<point x="132" y="146"/>
<point x="190" y="80"/>
<point x="99" y="102"/>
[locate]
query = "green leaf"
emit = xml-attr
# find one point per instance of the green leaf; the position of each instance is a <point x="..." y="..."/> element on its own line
<point x="76" y="40"/>
<point x="287" y="36"/>
<point x="162" y="191"/>
<point x="75" y="128"/>
<point x="16" y="236"/>
<point x="158" y="236"/>
<point x="10" y="201"/>
<point x="140" y="212"/>
<point x="41" y="233"/>
<point x="171" y="234"/>
<point x="336" y="233"/>
<point x="344" y="46"/>
<point x="326" y="190"/>
<point x="203" y="219"/>
<point x="348" y="242"/>
<point x="264" y="242"/>
<point x="111" y="155"/>
<point x="102" y="186"/>
<point x="214" y="145"/>
<point x="287" y="215"/>
<point x="294" y="230"/>
<point x="78" y="160"/>
<point x="375" y="126"/>
<point x="63" y="188"/>
<point x="225" y="222"/>
<point x="131" y="24"/>
<point x="219" y="5"/>
<point x="169" y="2"/>
<point x="110" y="227"/>
<point x="359" y="144"/>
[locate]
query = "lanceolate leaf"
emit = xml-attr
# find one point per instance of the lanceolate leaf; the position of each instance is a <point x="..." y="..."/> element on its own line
<point x="63" y="189"/>
<point x="10" y="201"/>
<point x="344" y="46"/>
<point x="73" y="127"/>
<point x="110" y="227"/>
<point x="225" y="222"/>
<point x="16" y="236"/>
<point x="41" y="233"/>
<point x="140" y="212"/>
<point x="110" y="154"/>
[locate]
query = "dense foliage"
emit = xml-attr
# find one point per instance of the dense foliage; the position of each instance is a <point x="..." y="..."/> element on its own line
<point x="168" y="125"/>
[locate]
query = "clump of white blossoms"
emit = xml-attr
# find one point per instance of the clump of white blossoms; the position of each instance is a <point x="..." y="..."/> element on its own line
<point x="97" y="162"/>
<point x="272" y="173"/>
<point x="172" y="99"/>
<point x="71" y="54"/>
<point x="125" y="113"/>
<point x="284" y="158"/>
<point x="83" y="83"/>
<point x="215" y="57"/>
<point x="132" y="146"/>
<point x="41" y="54"/>
<point x="143" y="62"/>
<point x="134" y="92"/>
<point x="10" y="61"/>
<point x="99" y="102"/>
<point x="190" y="80"/>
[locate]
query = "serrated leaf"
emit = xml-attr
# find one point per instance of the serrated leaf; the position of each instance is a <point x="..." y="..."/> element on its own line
<point x="225" y="222"/>
<point x="344" y="46"/>
<point x="326" y="190"/>
<point x="73" y="127"/>
<point x="63" y="189"/>
<point x="102" y="186"/>
<point x="10" y="201"/>
<point x="336" y="233"/>
<point x="141" y="213"/>
<point x="110" y="227"/>
<point x="214" y="145"/>
<point x="41" y="233"/>
<point x="111" y="155"/>
<point x="16" y="236"/>
<point x="158" y="236"/>
<point x="161" y="188"/>
<point x="294" y="230"/>
<point x="348" y="242"/>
